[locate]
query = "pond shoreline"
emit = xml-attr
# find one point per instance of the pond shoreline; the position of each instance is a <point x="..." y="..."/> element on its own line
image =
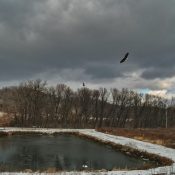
<point x="164" y="156"/>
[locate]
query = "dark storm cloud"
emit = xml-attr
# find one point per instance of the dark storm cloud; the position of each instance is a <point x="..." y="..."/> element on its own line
<point x="102" y="71"/>
<point x="41" y="35"/>
<point x="159" y="72"/>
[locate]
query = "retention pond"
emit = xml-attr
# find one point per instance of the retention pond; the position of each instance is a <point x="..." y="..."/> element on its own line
<point x="61" y="152"/>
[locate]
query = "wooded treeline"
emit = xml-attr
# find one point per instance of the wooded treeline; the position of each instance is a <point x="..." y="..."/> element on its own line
<point x="34" y="104"/>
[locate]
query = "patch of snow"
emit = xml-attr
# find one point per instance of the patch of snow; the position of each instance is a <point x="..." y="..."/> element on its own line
<point x="143" y="146"/>
<point x="84" y="166"/>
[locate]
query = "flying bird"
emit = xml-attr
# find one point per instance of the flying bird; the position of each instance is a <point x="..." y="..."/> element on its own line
<point x="125" y="57"/>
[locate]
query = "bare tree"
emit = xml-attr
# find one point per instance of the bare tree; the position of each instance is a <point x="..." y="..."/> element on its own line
<point x="32" y="103"/>
<point x="103" y="98"/>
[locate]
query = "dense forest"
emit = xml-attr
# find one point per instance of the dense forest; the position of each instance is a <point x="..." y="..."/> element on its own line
<point x="34" y="104"/>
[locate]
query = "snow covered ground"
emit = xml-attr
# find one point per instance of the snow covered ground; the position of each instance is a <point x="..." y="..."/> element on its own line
<point x="144" y="146"/>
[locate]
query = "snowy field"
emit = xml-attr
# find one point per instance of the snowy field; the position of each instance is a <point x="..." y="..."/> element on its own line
<point x="143" y="146"/>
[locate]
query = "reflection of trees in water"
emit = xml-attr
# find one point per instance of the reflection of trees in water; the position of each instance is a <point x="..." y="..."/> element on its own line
<point x="41" y="153"/>
<point x="4" y="144"/>
<point x="95" y="164"/>
<point x="6" y="167"/>
<point x="62" y="163"/>
<point x="58" y="164"/>
<point x="36" y="159"/>
<point x="28" y="157"/>
<point x="66" y="162"/>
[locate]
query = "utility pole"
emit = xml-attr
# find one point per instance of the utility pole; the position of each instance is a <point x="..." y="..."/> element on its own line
<point x="166" y="117"/>
<point x="166" y="114"/>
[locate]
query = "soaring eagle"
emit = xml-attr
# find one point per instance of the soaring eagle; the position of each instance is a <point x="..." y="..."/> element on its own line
<point x="125" y="57"/>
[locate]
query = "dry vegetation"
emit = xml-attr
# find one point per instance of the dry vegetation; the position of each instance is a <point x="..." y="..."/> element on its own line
<point x="159" y="136"/>
<point x="5" y="120"/>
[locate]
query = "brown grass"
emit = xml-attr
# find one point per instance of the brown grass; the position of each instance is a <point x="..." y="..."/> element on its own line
<point x="161" y="136"/>
<point x="5" y="120"/>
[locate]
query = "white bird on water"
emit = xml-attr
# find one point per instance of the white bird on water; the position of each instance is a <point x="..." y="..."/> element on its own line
<point x="84" y="166"/>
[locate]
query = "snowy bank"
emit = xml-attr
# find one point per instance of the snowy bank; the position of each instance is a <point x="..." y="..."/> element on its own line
<point x="142" y="146"/>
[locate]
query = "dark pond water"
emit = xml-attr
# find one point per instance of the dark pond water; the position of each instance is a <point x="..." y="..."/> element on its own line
<point x="63" y="152"/>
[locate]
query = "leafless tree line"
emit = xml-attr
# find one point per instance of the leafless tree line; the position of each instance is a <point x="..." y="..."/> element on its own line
<point x="34" y="104"/>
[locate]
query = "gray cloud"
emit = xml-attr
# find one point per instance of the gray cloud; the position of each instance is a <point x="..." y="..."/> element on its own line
<point x="156" y="72"/>
<point x="41" y="35"/>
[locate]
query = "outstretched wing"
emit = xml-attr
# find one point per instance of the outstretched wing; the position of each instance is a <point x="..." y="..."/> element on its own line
<point x="125" y="57"/>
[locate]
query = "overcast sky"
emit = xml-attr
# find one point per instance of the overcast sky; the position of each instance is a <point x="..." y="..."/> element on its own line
<point x="71" y="41"/>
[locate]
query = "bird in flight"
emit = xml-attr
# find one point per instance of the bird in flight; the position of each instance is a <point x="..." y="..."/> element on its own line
<point x="125" y="57"/>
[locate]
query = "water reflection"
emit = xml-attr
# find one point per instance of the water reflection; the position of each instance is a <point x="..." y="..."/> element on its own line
<point x="61" y="152"/>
